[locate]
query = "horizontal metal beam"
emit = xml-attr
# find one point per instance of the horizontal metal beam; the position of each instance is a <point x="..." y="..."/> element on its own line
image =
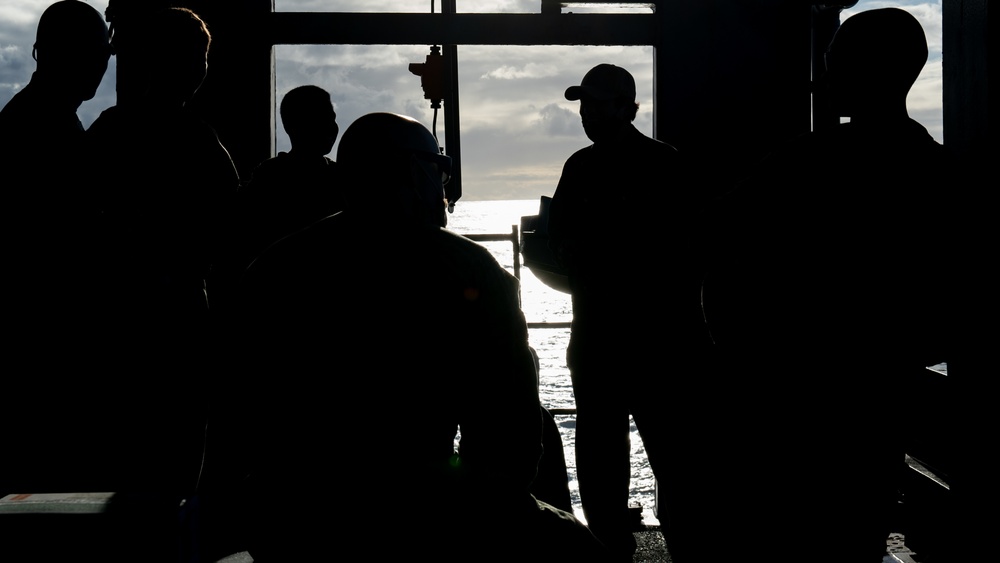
<point x="550" y="324"/>
<point x="494" y="237"/>
<point x="337" y="28"/>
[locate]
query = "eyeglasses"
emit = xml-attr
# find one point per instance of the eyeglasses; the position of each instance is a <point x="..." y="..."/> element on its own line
<point x="442" y="161"/>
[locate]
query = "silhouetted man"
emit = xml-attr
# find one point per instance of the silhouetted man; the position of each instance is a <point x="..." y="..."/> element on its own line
<point x="619" y="226"/>
<point x="39" y="123"/>
<point x="377" y="334"/>
<point x="49" y="231"/>
<point x="165" y="180"/>
<point x="298" y="187"/>
<point x="41" y="142"/>
<point x="822" y="298"/>
<point x="168" y="183"/>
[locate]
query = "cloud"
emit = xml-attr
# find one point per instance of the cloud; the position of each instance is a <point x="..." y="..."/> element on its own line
<point x="522" y="165"/>
<point x="513" y="124"/>
<point x="14" y="71"/>
<point x="924" y="102"/>
<point x="517" y="127"/>
<point x="558" y="120"/>
<point x="360" y="79"/>
<point x="18" y="19"/>
<point x="10" y="54"/>
<point x="529" y="70"/>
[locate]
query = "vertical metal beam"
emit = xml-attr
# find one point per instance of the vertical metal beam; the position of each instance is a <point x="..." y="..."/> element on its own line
<point x="967" y="68"/>
<point x="452" y="125"/>
<point x="660" y="73"/>
<point x="732" y="79"/>
<point x="970" y="131"/>
<point x="825" y="23"/>
<point x="551" y="7"/>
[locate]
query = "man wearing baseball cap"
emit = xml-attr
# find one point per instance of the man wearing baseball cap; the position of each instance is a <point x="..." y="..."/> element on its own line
<point x="607" y="87"/>
<point x="618" y="226"/>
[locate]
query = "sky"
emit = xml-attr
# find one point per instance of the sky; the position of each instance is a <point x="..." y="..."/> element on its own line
<point x="517" y="128"/>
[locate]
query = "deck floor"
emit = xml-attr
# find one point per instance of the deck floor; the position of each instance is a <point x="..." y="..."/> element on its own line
<point x="652" y="549"/>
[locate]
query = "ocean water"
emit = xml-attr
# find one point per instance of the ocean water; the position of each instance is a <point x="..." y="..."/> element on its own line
<point x="544" y="304"/>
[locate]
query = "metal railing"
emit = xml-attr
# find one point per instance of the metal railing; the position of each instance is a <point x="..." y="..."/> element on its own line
<point x="514" y="237"/>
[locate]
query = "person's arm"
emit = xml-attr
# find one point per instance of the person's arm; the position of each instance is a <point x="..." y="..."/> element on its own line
<point x="502" y="425"/>
<point x="564" y="213"/>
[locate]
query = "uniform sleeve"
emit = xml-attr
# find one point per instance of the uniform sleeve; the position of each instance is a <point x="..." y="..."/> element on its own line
<point x="564" y="212"/>
<point x="501" y="428"/>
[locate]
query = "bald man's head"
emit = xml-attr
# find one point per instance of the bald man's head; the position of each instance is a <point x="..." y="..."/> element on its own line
<point x="72" y="48"/>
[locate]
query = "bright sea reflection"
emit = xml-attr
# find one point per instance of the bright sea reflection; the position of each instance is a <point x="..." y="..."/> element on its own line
<point x="541" y="303"/>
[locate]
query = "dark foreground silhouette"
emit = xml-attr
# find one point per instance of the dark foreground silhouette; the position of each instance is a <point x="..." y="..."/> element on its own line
<point x="50" y="232"/>
<point x="111" y="297"/>
<point x="822" y="304"/>
<point x="380" y="344"/>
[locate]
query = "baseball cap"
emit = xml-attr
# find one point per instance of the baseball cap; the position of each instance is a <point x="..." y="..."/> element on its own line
<point x="604" y="82"/>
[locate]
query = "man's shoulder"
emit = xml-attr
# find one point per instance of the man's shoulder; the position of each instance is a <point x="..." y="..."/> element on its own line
<point x="311" y="248"/>
<point x="461" y="243"/>
<point x="33" y="115"/>
<point x="634" y="145"/>
<point x="658" y="153"/>
<point x="16" y="125"/>
<point x="109" y="119"/>
<point x="274" y="165"/>
<point x="33" y="131"/>
<point x="584" y="154"/>
<point x="581" y="165"/>
<point x="26" y="102"/>
<point x="469" y="253"/>
<point x="13" y="112"/>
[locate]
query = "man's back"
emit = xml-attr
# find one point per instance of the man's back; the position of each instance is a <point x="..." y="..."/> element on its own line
<point x="42" y="147"/>
<point x="620" y="224"/>
<point x="381" y="338"/>
<point x="285" y="194"/>
<point x="863" y="233"/>
<point x="618" y="207"/>
<point x="35" y="121"/>
<point x="385" y="344"/>
<point x="168" y="186"/>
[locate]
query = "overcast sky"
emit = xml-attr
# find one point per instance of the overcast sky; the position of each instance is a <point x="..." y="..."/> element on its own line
<point x="517" y="128"/>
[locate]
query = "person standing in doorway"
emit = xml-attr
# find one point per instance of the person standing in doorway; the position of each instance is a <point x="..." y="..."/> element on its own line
<point x="618" y="207"/>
